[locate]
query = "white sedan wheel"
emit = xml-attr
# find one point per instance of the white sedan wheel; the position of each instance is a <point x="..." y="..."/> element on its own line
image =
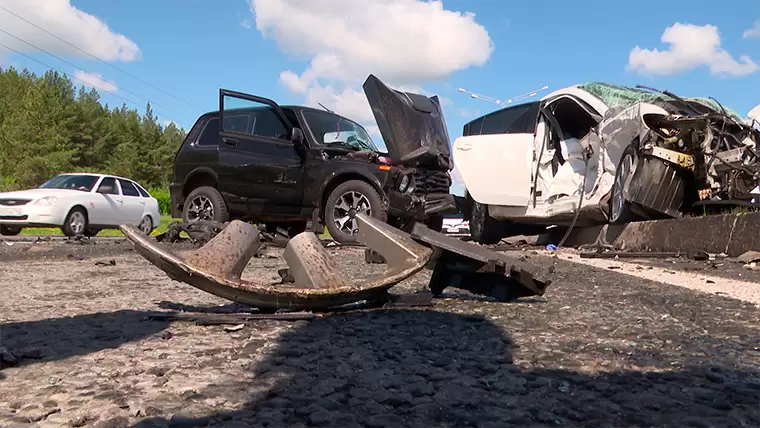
<point x="146" y="225"/>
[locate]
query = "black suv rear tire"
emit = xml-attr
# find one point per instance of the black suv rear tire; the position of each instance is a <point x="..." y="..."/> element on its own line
<point x="202" y="198"/>
<point x="363" y="193"/>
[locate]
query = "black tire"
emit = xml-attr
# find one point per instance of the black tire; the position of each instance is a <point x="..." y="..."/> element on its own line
<point x="78" y="215"/>
<point x="361" y="188"/>
<point x="198" y="198"/>
<point x="6" y="230"/>
<point x="484" y="229"/>
<point x="624" y="214"/>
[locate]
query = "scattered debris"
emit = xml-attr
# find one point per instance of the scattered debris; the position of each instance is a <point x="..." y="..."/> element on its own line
<point x="217" y="266"/>
<point x="199" y="232"/>
<point x="749" y="257"/>
<point x="478" y="269"/>
<point x="697" y="255"/>
<point x="108" y="263"/>
<point x="312" y="281"/>
<point x="233" y="328"/>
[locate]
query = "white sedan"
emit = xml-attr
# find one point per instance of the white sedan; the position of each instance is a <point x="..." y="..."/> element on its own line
<point x="80" y="204"/>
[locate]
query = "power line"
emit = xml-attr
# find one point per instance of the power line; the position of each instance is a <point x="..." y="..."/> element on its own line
<point x="77" y="67"/>
<point x="99" y="59"/>
<point x="67" y="75"/>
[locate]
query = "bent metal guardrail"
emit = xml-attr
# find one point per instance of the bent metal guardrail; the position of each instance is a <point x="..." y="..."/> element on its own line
<point x="217" y="266"/>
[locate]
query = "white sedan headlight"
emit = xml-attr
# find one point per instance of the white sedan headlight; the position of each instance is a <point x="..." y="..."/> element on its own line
<point x="47" y="200"/>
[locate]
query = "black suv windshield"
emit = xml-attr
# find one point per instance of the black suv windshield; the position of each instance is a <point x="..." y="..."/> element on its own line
<point x="71" y="181"/>
<point x="332" y="130"/>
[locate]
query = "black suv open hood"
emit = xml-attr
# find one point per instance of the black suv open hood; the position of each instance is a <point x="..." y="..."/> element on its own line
<point x="412" y="125"/>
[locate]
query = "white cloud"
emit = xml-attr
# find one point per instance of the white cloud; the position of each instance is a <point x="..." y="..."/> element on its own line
<point x="406" y="43"/>
<point x="246" y="23"/>
<point x="691" y="47"/>
<point x="753" y="32"/>
<point x="67" y="22"/>
<point x="95" y="80"/>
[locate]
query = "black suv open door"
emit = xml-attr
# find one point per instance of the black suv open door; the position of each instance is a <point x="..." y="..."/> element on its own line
<point x="258" y="158"/>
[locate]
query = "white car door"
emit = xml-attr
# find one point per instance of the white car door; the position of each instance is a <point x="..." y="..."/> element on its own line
<point x="495" y="157"/>
<point x="496" y="168"/>
<point x="134" y="205"/>
<point x="106" y="206"/>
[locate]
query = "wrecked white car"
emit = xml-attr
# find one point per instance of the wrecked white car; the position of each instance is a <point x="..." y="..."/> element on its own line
<point x="595" y="153"/>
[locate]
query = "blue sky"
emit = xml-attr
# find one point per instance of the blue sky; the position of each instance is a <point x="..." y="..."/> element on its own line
<point x="191" y="48"/>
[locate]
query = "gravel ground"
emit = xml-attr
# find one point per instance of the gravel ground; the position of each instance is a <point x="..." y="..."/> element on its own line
<point x="599" y="349"/>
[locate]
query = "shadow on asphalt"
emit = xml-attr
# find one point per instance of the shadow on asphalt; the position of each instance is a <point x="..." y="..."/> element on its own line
<point x="60" y="338"/>
<point x="415" y="368"/>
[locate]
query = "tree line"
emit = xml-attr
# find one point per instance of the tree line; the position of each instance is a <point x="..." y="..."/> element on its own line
<point x="49" y="126"/>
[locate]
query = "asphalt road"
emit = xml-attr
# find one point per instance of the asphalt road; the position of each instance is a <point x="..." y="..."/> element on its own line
<point x="601" y="348"/>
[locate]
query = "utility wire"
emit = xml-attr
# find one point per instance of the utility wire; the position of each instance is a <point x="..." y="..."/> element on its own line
<point x="99" y="59"/>
<point x="77" y="67"/>
<point x="69" y="76"/>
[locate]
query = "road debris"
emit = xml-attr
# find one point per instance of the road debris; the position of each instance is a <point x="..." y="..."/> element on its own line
<point x="479" y="270"/>
<point x="217" y="266"/>
<point x="313" y="282"/>
<point x="697" y="255"/>
<point x="749" y="257"/>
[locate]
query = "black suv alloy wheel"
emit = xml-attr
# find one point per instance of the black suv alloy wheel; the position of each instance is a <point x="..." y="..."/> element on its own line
<point x="345" y="201"/>
<point x="205" y="203"/>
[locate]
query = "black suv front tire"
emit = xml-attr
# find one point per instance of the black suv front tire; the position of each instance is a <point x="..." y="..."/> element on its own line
<point x="205" y="203"/>
<point x="362" y="193"/>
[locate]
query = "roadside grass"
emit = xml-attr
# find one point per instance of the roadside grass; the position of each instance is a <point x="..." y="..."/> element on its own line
<point x="43" y="231"/>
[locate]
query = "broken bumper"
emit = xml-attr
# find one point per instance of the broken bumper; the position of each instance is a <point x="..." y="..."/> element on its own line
<point x="420" y="208"/>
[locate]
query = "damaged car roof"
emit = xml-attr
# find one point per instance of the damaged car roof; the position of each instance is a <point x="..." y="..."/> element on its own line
<point x="622" y="96"/>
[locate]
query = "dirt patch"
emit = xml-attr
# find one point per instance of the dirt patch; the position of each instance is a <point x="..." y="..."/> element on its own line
<point x="600" y="348"/>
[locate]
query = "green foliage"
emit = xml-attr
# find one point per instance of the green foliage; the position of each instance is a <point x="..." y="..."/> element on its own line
<point x="164" y="200"/>
<point x="48" y="127"/>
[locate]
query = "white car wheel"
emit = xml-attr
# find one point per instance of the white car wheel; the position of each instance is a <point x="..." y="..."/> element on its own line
<point x="146" y="225"/>
<point x="75" y="223"/>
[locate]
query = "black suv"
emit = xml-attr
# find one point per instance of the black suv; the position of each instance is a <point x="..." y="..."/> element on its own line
<point x="286" y="165"/>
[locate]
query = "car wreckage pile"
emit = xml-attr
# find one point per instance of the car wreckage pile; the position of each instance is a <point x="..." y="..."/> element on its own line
<point x="317" y="284"/>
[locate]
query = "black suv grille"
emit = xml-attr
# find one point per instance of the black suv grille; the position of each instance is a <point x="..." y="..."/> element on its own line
<point x="14" y="202"/>
<point x="431" y="181"/>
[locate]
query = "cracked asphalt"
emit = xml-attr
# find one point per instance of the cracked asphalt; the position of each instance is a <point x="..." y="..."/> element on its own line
<point x="599" y="349"/>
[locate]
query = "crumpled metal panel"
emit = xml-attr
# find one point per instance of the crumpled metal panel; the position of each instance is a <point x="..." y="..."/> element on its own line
<point x="480" y="270"/>
<point x="217" y="266"/>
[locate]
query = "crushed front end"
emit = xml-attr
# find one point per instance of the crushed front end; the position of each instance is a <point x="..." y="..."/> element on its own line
<point x="697" y="159"/>
<point x="414" y="130"/>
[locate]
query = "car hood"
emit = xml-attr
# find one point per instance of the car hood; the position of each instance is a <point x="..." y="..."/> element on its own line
<point x="39" y="193"/>
<point x="412" y="125"/>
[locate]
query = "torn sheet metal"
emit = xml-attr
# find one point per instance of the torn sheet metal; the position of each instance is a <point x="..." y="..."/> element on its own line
<point x="217" y="266"/>
<point x="480" y="270"/>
